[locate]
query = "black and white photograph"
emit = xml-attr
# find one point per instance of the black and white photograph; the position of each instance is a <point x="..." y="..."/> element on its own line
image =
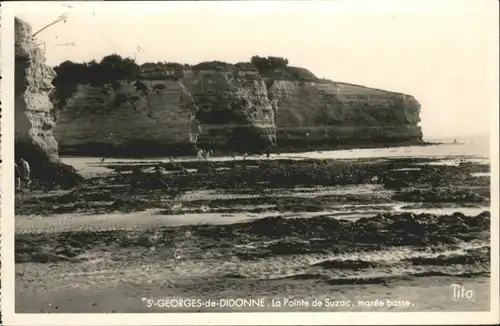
<point x="291" y="157"/>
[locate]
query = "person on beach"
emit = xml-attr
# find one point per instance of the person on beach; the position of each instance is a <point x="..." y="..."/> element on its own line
<point x="18" y="177"/>
<point x="161" y="183"/>
<point x="159" y="170"/>
<point x="25" y="172"/>
<point x="199" y="154"/>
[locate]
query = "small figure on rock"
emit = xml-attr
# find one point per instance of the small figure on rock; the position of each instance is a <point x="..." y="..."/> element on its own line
<point x="25" y="172"/>
<point x="159" y="171"/>
<point x="199" y="154"/>
<point x="18" y="177"/>
<point x="138" y="177"/>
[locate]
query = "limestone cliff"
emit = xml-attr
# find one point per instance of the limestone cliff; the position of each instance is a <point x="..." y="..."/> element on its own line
<point x="328" y="115"/>
<point x="34" y="140"/>
<point x="224" y="109"/>
<point x="231" y="108"/>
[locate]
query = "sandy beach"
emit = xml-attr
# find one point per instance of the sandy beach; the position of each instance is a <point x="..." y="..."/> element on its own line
<point x="347" y="228"/>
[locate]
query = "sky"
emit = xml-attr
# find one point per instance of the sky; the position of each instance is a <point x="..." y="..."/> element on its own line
<point x="444" y="53"/>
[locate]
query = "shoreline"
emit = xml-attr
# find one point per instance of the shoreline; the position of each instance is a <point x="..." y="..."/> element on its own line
<point x="134" y="152"/>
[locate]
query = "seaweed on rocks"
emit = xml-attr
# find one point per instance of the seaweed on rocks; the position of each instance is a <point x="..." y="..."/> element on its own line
<point x="280" y="236"/>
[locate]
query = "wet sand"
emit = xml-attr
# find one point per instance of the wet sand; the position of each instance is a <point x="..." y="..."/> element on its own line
<point x="403" y="228"/>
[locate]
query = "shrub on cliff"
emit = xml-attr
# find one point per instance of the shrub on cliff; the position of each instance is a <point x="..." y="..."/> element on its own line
<point x="213" y="65"/>
<point x="264" y="64"/>
<point x="162" y="70"/>
<point x="294" y="74"/>
<point x="246" y="66"/>
<point x="68" y="76"/>
<point x="224" y="66"/>
<point x="277" y="68"/>
<point x="114" y="68"/>
<point x="109" y="70"/>
<point x="148" y="66"/>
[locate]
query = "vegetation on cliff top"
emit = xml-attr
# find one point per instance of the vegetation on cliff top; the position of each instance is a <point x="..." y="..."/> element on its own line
<point x="114" y="68"/>
<point x="109" y="70"/>
<point x="278" y="68"/>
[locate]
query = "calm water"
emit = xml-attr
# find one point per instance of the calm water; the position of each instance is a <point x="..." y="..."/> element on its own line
<point x="477" y="149"/>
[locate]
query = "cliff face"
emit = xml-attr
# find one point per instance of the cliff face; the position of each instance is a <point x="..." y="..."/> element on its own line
<point x="225" y="109"/>
<point x="231" y="109"/>
<point x="34" y="140"/>
<point x="338" y="115"/>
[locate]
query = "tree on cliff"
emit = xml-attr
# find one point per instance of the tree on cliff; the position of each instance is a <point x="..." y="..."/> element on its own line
<point x="264" y="64"/>
<point x="109" y="70"/>
<point x="114" y="68"/>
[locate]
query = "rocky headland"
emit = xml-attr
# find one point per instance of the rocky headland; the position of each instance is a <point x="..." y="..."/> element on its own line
<point x="34" y="140"/>
<point x="118" y="108"/>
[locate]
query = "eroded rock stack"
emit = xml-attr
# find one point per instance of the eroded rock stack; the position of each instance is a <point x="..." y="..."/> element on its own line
<point x="34" y="122"/>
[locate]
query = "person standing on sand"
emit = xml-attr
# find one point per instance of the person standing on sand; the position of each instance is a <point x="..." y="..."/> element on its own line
<point x="199" y="154"/>
<point x="18" y="177"/>
<point x="26" y="172"/>
<point x="159" y="177"/>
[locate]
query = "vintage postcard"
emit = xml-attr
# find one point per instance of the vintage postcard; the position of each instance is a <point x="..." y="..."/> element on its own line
<point x="249" y="163"/>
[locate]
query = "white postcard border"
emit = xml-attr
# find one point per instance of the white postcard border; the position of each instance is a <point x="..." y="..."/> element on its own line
<point x="8" y="11"/>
